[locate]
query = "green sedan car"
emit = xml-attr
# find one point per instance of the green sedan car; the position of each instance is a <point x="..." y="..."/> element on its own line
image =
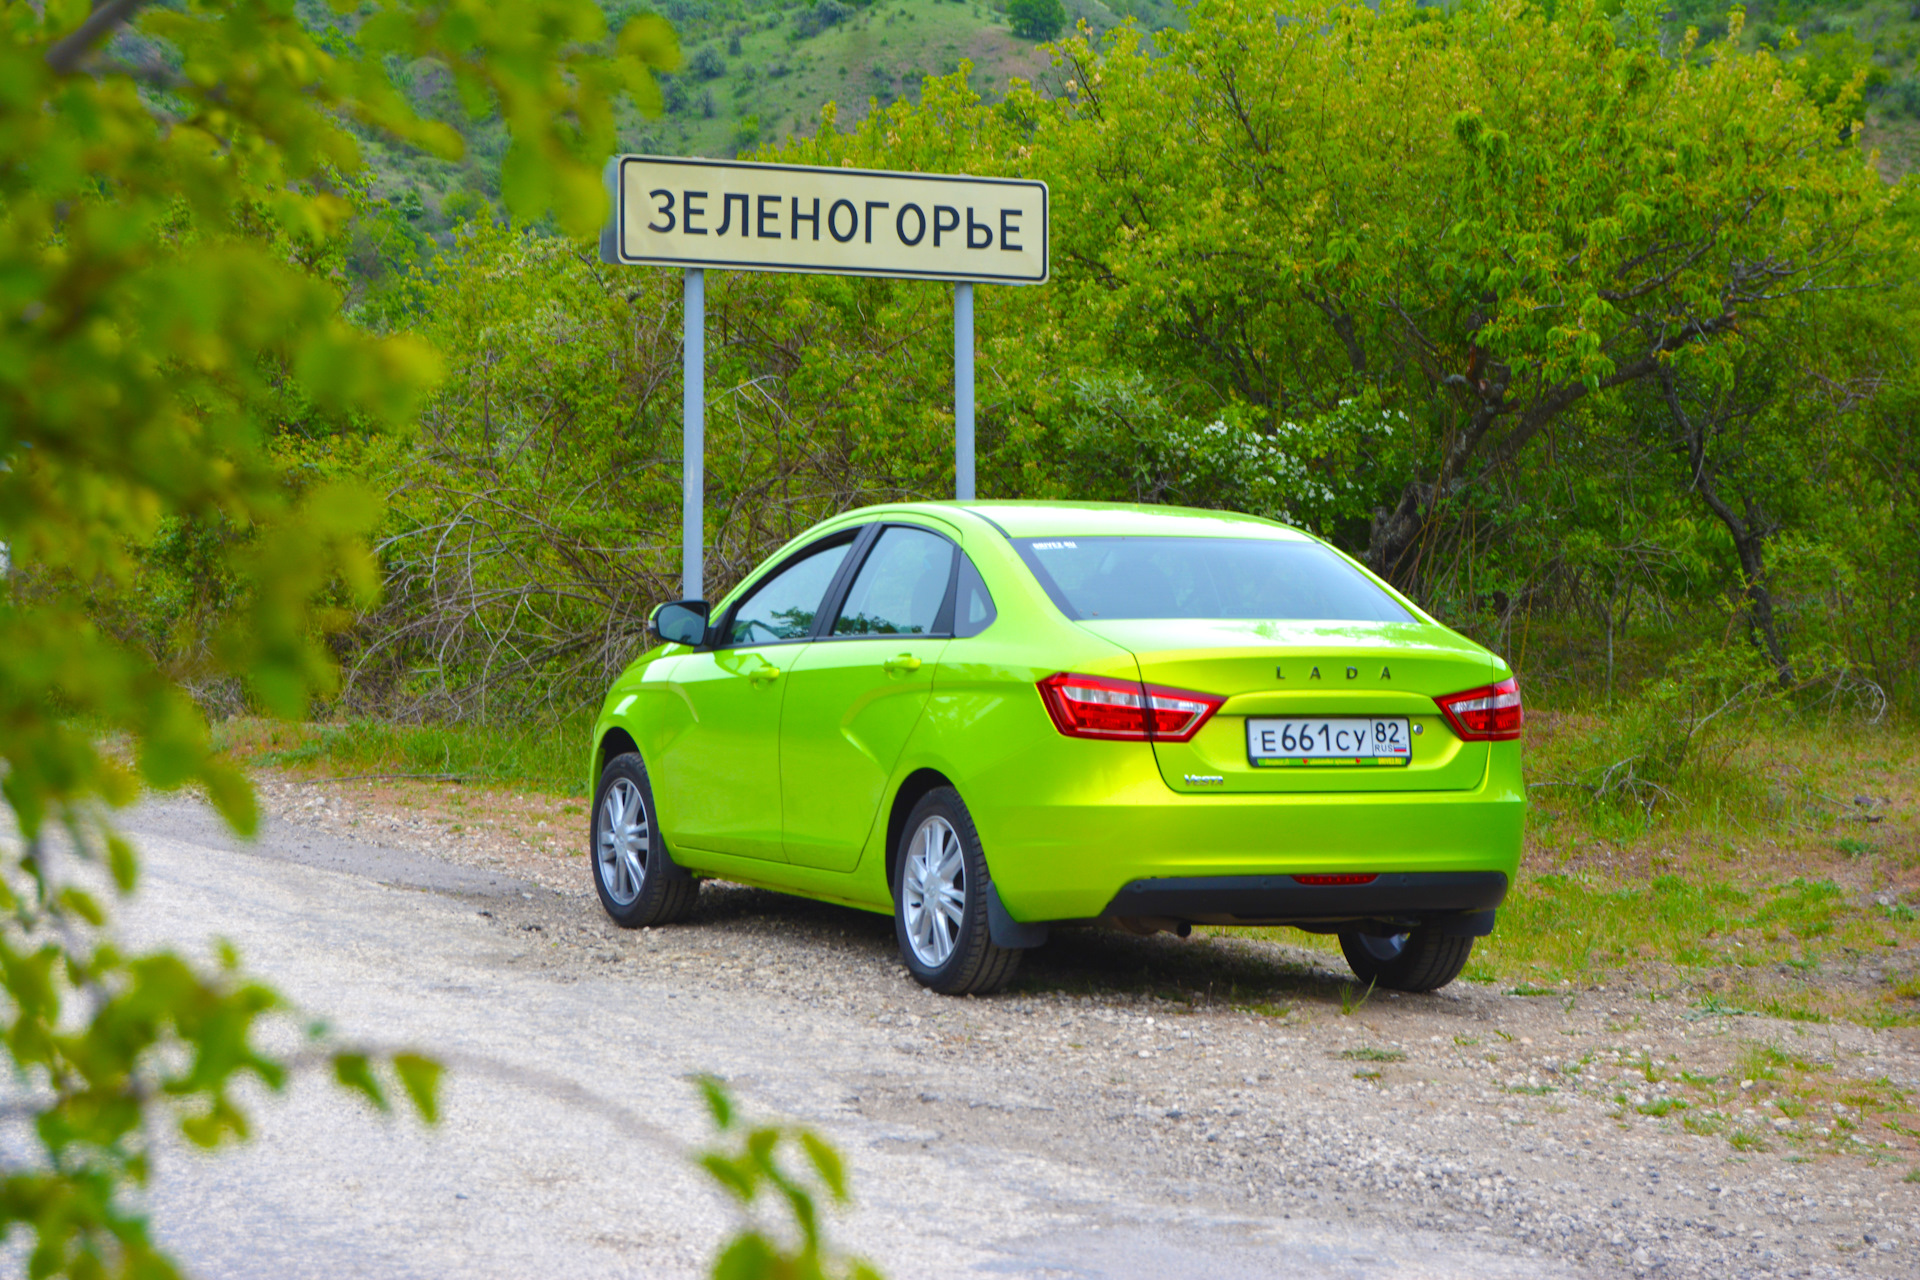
<point x="991" y="718"/>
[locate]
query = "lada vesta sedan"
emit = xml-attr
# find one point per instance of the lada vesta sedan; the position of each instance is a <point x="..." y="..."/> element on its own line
<point x="991" y="718"/>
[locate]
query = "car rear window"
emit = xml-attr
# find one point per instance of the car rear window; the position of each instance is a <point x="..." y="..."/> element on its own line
<point x="1113" y="578"/>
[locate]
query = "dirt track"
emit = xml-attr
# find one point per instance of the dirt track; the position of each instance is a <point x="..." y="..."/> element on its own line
<point x="1138" y="1101"/>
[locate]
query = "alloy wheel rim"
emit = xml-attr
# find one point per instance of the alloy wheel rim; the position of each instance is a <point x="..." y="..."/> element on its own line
<point x="1384" y="946"/>
<point x="934" y="899"/>
<point x="622" y="842"/>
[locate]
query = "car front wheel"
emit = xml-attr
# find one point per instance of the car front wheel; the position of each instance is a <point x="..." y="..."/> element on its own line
<point x="940" y="901"/>
<point x="639" y="884"/>
<point x="1418" y="960"/>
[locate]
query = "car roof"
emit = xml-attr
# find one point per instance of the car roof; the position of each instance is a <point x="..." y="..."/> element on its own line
<point x="1113" y="519"/>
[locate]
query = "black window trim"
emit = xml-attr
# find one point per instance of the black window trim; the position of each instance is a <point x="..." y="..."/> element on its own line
<point x="1023" y="547"/>
<point x="854" y="536"/>
<point x="843" y="586"/>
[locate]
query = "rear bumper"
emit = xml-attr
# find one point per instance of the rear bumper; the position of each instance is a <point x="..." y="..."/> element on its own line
<point x="1283" y="900"/>
<point x="1134" y="848"/>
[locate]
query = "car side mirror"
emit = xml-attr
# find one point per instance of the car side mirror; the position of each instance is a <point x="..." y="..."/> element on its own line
<point x="681" y="621"/>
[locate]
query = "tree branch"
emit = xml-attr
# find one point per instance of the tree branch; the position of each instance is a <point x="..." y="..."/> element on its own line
<point x="65" y="55"/>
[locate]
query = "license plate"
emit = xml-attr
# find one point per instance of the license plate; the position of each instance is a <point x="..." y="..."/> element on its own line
<point x="1342" y="741"/>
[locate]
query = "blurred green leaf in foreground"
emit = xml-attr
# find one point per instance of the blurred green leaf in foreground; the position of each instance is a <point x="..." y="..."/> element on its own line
<point x="750" y="1169"/>
<point x="172" y="181"/>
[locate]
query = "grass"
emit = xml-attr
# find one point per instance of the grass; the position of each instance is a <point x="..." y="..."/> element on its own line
<point x="1756" y="875"/>
<point x="546" y="758"/>
<point x="1373" y="1055"/>
<point x="1753" y="872"/>
<point x="1776" y="1095"/>
<point x="1756" y="887"/>
<point x="1266" y="1009"/>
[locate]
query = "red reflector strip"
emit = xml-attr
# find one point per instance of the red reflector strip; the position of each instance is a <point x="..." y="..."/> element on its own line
<point x="1353" y="877"/>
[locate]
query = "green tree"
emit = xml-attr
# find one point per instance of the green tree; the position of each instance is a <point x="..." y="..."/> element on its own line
<point x="1261" y="222"/>
<point x="1036" y="19"/>
<point x="1286" y="213"/>
<point x="173" y="180"/>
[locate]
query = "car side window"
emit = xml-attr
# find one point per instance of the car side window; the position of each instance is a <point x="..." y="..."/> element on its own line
<point x="973" y="610"/>
<point x="784" y="606"/>
<point x="900" y="586"/>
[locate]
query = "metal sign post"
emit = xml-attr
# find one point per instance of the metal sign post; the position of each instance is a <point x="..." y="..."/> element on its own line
<point x="693" y="434"/>
<point x="963" y="392"/>
<point x="696" y="214"/>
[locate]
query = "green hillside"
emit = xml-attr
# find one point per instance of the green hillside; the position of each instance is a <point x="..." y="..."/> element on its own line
<point x="767" y="75"/>
<point x="1827" y="43"/>
<point x="756" y="71"/>
<point x="760" y="70"/>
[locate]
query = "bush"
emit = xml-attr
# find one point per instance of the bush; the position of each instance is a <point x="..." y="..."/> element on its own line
<point x="707" y="65"/>
<point x="1036" y="19"/>
<point x="1116" y="438"/>
<point x="1902" y="99"/>
<point x="1704" y="707"/>
<point x="462" y="205"/>
<point x="827" y="13"/>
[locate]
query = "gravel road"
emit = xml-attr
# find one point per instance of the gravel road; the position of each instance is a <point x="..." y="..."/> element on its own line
<point x="1136" y="1107"/>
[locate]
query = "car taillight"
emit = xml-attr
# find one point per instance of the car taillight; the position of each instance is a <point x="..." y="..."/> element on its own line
<point x="1125" y="710"/>
<point x="1351" y="877"/>
<point x="1487" y="714"/>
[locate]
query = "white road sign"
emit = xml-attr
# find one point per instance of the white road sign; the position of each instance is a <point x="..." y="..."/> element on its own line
<point x="733" y="215"/>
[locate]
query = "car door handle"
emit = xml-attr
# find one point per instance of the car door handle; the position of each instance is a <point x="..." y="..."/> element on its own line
<point x="763" y="674"/>
<point x="901" y="663"/>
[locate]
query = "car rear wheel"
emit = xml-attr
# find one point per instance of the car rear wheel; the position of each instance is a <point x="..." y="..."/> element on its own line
<point x="1419" y="960"/>
<point x="638" y="883"/>
<point x="940" y="901"/>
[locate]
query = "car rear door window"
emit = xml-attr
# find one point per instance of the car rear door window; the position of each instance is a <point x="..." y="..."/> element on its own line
<point x="785" y="606"/>
<point x="900" y="587"/>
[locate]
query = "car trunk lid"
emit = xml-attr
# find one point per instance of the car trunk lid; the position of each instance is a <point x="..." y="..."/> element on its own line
<point x="1309" y="670"/>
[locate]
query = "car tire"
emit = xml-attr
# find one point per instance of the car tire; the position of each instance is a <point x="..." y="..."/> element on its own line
<point x="1422" y="960"/>
<point x="939" y="873"/>
<point x="638" y="882"/>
